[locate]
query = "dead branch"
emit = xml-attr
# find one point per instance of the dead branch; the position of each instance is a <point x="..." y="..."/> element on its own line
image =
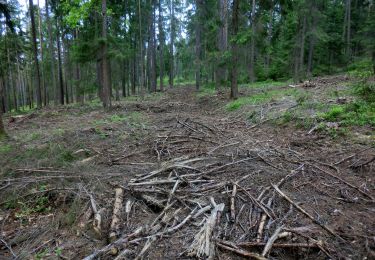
<point x="344" y="181"/>
<point x="232" y="201"/>
<point x="203" y="245"/>
<point x="231" y="247"/>
<point x="115" y="224"/>
<point x="121" y="242"/>
<point x="271" y="241"/>
<point x="304" y="212"/>
<point x="279" y="245"/>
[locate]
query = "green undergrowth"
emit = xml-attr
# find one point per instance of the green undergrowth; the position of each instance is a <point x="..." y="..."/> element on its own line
<point x="207" y="90"/>
<point x="263" y="97"/>
<point x="358" y="113"/>
<point x="132" y="119"/>
<point x="265" y="84"/>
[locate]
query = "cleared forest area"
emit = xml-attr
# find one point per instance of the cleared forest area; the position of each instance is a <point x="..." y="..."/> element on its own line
<point x="190" y="174"/>
<point x="187" y="129"/>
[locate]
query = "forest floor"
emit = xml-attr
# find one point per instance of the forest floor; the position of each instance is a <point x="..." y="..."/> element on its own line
<point x="284" y="172"/>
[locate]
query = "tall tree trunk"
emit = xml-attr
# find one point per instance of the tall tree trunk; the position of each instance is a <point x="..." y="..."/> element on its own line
<point x="161" y="47"/>
<point x="80" y="94"/>
<point x="59" y="61"/>
<point x="269" y="39"/>
<point x="124" y="70"/>
<point x="67" y="70"/>
<point x="302" y="49"/>
<point x="252" y="44"/>
<point x="348" y="28"/>
<point x="43" y="81"/>
<point x="222" y="44"/>
<point x="173" y="32"/>
<point x="142" y="69"/>
<point x="234" y="86"/>
<point x="198" y="44"/>
<point x="2" y="129"/>
<point x="106" y="73"/>
<point x="52" y="53"/>
<point x="153" y="48"/>
<point x="35" y="52"/>
<point x="312" y="38"/>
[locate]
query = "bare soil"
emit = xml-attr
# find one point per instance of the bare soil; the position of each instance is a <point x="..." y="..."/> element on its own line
<point x="174" y="154"/>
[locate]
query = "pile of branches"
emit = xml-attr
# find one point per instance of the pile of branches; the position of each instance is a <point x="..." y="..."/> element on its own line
<point x="205" y="195"/>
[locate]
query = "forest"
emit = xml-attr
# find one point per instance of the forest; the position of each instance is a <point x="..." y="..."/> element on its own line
<point x="187" y="129"/>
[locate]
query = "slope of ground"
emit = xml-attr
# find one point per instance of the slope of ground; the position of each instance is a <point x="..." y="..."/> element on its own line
<point x="267" y="174"/>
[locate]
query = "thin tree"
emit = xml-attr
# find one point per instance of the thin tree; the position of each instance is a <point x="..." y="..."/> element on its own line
<point x="173" y="32"/>
<point x="252" y="44"/>
<point x="2" y="129"/>
<point x="161" y="47"/>
<point x="43" y="81"/>
<point x="222" y="43"/>
<point x="52" y="52"/>
<point x="35" y="52"/>
<point x="234" y="86"/>
<point x="105" y="66"/>
<point x="198" y="43"/>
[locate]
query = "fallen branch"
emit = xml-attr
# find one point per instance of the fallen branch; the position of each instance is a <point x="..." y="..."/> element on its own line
<point x="239" y="251"/>
<point x="121" y="242"/>
<point x="115" y="224"/>
<point x="202" y="245"/>
<point x="344" y="181"/>
<point x="304" y="212"/>
<point x="272" y="240"/>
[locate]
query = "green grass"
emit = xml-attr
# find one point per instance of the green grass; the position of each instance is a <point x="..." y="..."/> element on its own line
<point x="261" y="98"/>
<point x="265" y="84"/>
<point x="358" y="113"/>
<point x="5" y="148"/>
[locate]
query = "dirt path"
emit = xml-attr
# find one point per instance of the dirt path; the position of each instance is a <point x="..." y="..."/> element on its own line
<point x="176" y="155"/>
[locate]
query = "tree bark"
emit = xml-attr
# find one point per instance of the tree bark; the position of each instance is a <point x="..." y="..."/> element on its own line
<point x="35" y="52"/>
<point x="222" y="44"/>
<point x="2" y="128"/>
<point x="105" y="66"/>
<point x="52" y="53"/>
<point x="348" y="28"/>
<point x="312" y="38"/>
<point x="161" y="47"/>
<point x="173" y="31"/>
<point x="252" y="44"/>
<point x="43" y="81"/>
<point x="59" y="61"/>
<point x="153" y="48"/>
<point x="198" y="44"/>
<point x="142" y="69"/>
<point x="234" y="86"/>
<point x="302" y="49"/>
